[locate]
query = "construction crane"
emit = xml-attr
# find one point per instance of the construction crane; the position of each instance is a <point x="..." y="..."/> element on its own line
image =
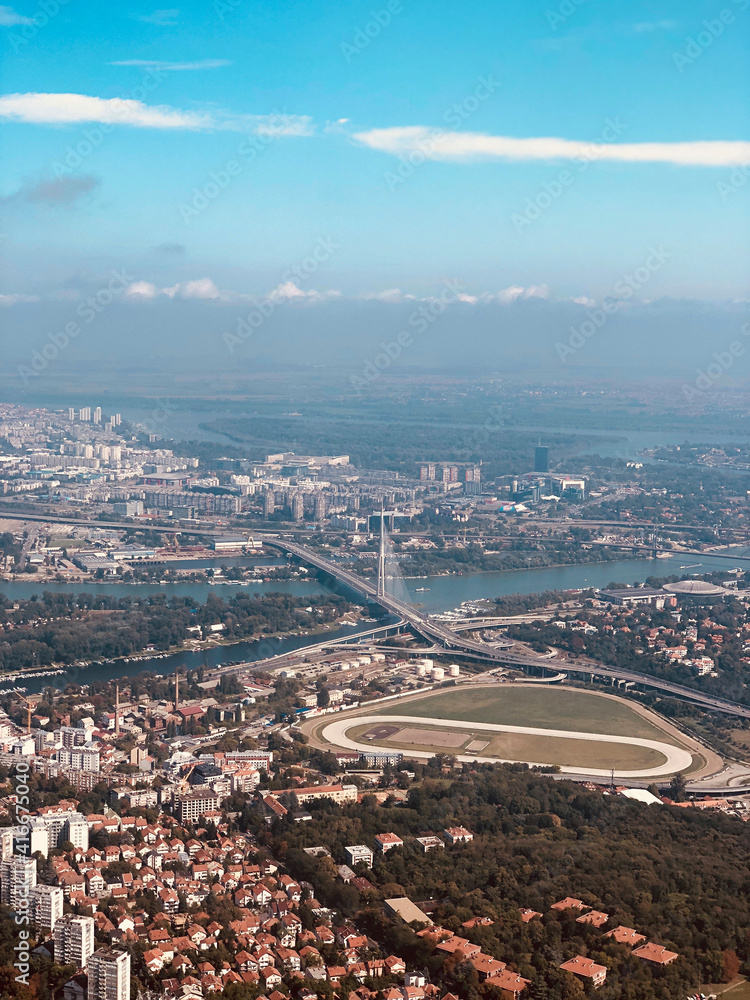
<point x="185" y="781"/>
<point x="30" y="706"/>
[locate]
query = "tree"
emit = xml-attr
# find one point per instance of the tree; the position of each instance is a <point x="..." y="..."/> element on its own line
<point x="730" y="966"/>
<point x="677" y="788"/>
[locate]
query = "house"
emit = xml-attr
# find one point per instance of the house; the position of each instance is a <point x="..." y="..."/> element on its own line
<point x="360" y="854"/>
<point x="625" y="935"/>
<point x="458" y="835"/>
<point x="586" y="969"/>
<point x="154" y="960"/>
<point x="76" y="988"/>
<point x="395" y="966"/>
<point x="569" y="903"/>
<point x="430" y="843"/>
<point x="455" y="944"/>
<point x="387" y="841"/>
<point x="486" y="966"/>
<point x="509" y="984"/>
<point x="655" y="953"/>
<point x="270" y="976"/>
<point x="527" y="915"/>
<point x="595" y="918"/>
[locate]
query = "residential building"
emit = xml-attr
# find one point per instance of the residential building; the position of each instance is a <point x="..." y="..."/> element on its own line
<point x="338" y="793"/>
<point x="655" y="953"/>
<point x="17" y="879"/>
<point x="458" y="835"/>
<point x="47" y="905"/>
<point x="430" y="843"/>
<point x="586" y="969"/>
<point x="509" y="984"/>
<point x="74" y="940"/>
<point x="359" y="854"/>
<point x="387" y="841"/>
<point x="196" y="804"/>
<point x="109" y="975"/>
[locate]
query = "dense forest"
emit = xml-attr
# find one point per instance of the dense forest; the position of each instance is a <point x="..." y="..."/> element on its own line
<point x="63" y="628"/>
<point x="679" y="876"/>
<point x="522" y="554"/>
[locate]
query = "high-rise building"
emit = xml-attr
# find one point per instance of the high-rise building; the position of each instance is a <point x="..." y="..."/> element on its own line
<point x="76" y="830"/>
<point x="71" y="413"/>
<point x="118" y="420"/>
<point x="17" y="879"/>
<point x="298" y="507"/>
<point x="98" y="415"/>
<point x="48" y="905"/>
<point x="84" y="413"/>
<point x="109" y="975"/>
<point x="74" y="940"/>
<point x="269" y="503"/>
<point x="320" y="507"/>
<point x="541" y="459"/>
<point x="473" y="481"/>
<point x="6" y="843"/>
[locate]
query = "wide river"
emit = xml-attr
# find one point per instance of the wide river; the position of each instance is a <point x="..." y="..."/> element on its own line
<point x="443" y="593"/>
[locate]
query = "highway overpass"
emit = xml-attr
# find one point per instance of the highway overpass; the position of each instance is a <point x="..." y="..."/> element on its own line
<point x="424" y="625"/>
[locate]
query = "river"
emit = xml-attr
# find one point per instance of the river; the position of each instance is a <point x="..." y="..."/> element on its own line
<point x="442" y="594"/>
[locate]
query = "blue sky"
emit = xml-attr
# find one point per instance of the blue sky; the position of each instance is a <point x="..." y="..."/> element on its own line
<point x="656" y="97"/>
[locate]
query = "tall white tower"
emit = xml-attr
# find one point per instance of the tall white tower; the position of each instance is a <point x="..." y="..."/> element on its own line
<point x="381" y="555"/>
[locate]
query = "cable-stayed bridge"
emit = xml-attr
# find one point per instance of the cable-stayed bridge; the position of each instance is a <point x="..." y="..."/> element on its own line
<point x="442" y="635"/>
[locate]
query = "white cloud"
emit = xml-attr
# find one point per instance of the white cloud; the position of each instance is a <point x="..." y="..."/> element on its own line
<point x="516" y="292"/>
<point x="646" y="26"/>
<point x="66" y="109"/>
<point x="289" y="292"/>
<point x="275" y="125"/>
<point x="201" y="288"/>
<point x="466" y="146"/>
<point x="173" y="67"/>
<point x="391" y="295"/>
<point x="16" y="298"/>
<point x="9" y="18"/>
<point x="141" y="290"/>
<point x="163" y="18"/>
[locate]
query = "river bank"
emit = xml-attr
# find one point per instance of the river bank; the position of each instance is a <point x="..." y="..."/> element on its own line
<point x="433" y="594"/>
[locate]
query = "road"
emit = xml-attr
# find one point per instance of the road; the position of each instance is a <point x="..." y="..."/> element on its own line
<point x="446" y="637"/>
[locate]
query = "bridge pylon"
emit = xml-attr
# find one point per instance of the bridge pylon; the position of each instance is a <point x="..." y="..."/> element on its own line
<point x="381" y="555"/>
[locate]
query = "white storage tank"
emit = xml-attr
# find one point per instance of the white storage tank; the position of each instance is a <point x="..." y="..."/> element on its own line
<point x="428" y="663"/>
<point x="454" y="670"/>
<point x="378" y="657"/>
<point x="421" y="670"/>
<point x="438" y="673"/>
<point x="364" y="660"/>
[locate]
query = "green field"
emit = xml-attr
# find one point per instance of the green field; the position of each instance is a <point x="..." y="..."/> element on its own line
<point x="541" y="707"/>
<point x="520" y="746"/>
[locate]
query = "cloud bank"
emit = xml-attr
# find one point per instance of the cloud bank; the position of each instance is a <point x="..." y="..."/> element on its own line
<point x="436" y="144"/>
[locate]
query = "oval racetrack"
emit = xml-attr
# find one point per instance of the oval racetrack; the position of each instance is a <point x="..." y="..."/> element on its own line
<point x="675" y="758"/>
